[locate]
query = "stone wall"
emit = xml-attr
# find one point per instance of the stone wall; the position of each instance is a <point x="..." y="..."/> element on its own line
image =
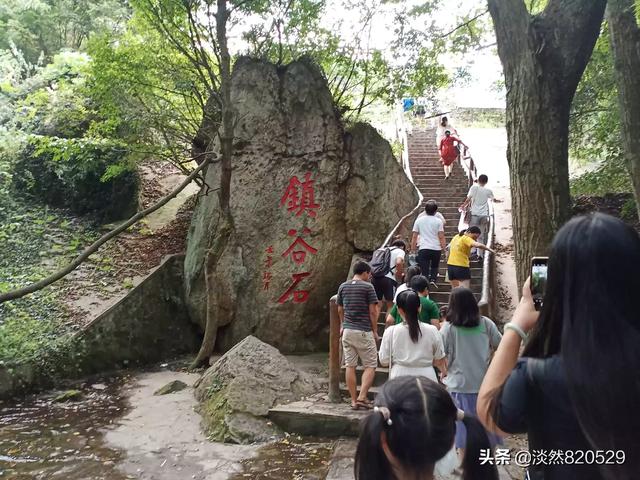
<point x="306" y="194"/>
<point x="148" y="325"/>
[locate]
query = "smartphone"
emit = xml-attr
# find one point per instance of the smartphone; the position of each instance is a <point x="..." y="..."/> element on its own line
<point x="538" y="280"/>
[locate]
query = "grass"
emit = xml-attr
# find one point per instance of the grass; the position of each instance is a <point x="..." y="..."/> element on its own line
<point x="34" y="241"/>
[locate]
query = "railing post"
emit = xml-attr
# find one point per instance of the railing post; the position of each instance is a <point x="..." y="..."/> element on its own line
<point x="334" y="352"/>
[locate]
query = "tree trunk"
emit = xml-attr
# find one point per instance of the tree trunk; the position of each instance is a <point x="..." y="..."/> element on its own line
<point x="625" y="43"/>
<point x="215" y="300"/>
<point x="543" y="57"/>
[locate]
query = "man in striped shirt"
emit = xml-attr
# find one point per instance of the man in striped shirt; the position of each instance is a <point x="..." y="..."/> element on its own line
<point x="358" y="311"/>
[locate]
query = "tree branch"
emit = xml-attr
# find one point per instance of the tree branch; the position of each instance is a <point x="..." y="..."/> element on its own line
<point x="34" y="287"/>
<point x="465" y="24"/>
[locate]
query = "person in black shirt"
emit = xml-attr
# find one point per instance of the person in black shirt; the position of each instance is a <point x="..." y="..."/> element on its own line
<point x="576" y="387"/>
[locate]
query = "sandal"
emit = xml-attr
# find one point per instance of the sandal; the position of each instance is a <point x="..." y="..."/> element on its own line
<point x="355" y="407"/>
<point x="365" y="404"/>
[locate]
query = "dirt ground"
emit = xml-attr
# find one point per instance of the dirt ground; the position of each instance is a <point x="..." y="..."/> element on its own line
<point x="126" y="260"/>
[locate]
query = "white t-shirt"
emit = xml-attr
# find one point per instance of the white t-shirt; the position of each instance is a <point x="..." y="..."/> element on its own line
<point x="427" y="228"/>
<point x="399" y="290"/>
<point x="479" y="200"/>
<point x="437" y="214"/>
<point x="396" y="253"/>
<point x="398" y="348"/>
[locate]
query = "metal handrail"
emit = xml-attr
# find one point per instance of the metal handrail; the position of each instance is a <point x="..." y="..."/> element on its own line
<point x="472" y="173"/>
<point x="484" y="303"/>
<point x="401" y="132"/>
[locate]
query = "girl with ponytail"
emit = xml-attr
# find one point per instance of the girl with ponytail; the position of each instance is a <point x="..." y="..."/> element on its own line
<point x="411" y="428"/>
<point x="411" y="347"/>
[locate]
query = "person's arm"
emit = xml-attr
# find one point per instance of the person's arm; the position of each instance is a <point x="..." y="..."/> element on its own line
<point x="458" y="140"/>
<point x="482" y="246"/>
<point x="441" y="365"/>
<point x="440" y="356"/>
<point x="391" y="316"/>
<point x="399" y="273"/>
<point x="470" y="195"/>
<point x="384" y="355"/>
<point x="505" y="357"/>
<point x="389" y="321"/>
<point x="443" y="242"/>
<point x="414" y="241"/>
<point x="339" y="301"/>
<point x="373" y="316"/>
<point x="434" y="316"/>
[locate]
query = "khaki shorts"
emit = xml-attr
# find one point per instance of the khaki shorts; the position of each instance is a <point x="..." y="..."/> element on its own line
<point x="359" y="344"/>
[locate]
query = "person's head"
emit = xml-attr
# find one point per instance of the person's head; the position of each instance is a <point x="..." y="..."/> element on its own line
<point x="444" y="121"/>
<point x="590" y="315"/>
<point x="443" y="313"/>
<point x="447" y="133"/>
<point x="399" y="244"/>
<point x="482" y="180"/>
<point x="411" y="272"/>
<point x="362" y="269"/>
<point x="473" y="232"/>
<point x="420" y="285"/>
<point x="463" y="308"/>
<point x="414" y="426"/>
<point x="408" y="303"/>
<point x="431" y="207"/>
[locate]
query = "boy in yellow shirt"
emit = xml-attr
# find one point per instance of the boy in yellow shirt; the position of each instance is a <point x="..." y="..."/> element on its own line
<point x="459" y="250"/>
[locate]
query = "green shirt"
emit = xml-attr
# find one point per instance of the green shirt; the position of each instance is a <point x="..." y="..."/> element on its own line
<point x="428" y="312"/>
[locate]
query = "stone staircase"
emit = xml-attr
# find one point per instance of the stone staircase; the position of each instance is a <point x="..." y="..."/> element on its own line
<point x="317" y="416"/>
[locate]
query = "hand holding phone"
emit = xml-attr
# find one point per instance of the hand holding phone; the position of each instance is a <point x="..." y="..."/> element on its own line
<point x="538" y="280"/>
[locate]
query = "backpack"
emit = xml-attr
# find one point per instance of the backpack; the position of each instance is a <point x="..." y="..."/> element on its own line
<point x="380" y="262"/>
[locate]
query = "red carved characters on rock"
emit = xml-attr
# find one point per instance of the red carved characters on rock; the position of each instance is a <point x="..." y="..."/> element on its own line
<point x="299" y="296"/>
<point x="299" y="248"/>
<point x="299" y="197"/>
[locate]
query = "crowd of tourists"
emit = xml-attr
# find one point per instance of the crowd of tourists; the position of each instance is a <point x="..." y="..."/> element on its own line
<point x="457" y="385"/>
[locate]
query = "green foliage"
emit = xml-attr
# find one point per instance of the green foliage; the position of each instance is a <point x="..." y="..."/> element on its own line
<point x="610" y="177"/>
<point x="34" y="241"/>
<point x="595" y="118"/>
<point x="83" y="174"/>
<point x="629" y="211"/>
<point x="42" y="28"/>
<point x="146" y="92"/>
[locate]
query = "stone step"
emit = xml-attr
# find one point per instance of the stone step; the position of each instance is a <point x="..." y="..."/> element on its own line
<point x="443" y="297"/>
<point x="476" y="273"/>
<point x="308" y="417"/>
<point x="382" y="375"/>
<point x="371" y="394"/>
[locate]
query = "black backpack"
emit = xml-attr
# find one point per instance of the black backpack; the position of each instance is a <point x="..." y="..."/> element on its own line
<point x="380" y="262"/>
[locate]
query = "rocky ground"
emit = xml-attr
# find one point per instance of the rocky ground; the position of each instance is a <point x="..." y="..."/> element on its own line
<point x="615" y="204"/>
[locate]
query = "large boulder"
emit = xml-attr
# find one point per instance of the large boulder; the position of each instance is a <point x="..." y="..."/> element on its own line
<point x="306" y="195"/>
<point x="237" y="392"/>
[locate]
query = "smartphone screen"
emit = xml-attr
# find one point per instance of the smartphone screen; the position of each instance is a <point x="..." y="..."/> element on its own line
<point x="538" y="279"/>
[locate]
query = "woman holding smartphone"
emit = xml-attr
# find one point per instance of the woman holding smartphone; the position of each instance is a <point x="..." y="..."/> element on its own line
<point x="576" y="389"/>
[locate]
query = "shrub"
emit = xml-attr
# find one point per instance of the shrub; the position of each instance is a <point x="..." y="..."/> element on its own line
<point x="83" y="175"/>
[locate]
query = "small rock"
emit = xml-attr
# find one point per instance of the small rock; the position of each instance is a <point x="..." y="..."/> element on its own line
<point x="98" y="386"/>
<point x="171" y="387"/>
<point x="69" y="396"/>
